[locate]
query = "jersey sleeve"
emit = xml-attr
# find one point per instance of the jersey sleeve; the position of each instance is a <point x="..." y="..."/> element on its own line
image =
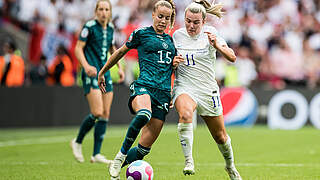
<point x="134" y="40"/>
<point x="85" y="33"/>
<point x="220" y="39"/>
<point x="174" y="38"/>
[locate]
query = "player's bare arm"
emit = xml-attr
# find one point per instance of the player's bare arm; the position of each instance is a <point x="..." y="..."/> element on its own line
<point x="115" y="57"/>
<point x="90" y="70"/>
<point x="120" y="70"/>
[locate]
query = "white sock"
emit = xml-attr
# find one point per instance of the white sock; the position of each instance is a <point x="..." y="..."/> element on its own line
<point x="227" y="153"/>
<point x="185" y="132"/>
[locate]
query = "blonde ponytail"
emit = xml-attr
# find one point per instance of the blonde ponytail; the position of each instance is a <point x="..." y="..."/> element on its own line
<point x="214" y="9"/>
<point x="173" y="15"/>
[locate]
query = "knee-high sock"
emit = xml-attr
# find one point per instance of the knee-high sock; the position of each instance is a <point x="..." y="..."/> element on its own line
<point x="99" y="132"/>
<point x="85" y="127"/>
<point x="136" y="153"/>
<point x="226" y="151"/>
<point x="142" y="118"/>
<point x="185" y="132"/>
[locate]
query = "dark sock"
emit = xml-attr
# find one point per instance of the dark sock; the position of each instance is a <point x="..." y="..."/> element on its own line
<point x="141" y="119"/>
<point x="85" y="127"/>
<point x="136" y="153"/>
<point x="99" y="132"/>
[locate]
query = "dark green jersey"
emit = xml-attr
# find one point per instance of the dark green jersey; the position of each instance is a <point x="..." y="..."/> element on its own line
<point x="98" y="41"/>
<point x="156" y="53"/>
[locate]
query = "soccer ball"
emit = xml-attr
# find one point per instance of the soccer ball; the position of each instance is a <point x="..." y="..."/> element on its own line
<point x="139" y="170"/>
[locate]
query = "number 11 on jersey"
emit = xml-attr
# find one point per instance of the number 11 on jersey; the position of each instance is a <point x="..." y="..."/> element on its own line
<point x="190" y="61"/>
<point x="216" y="101"/>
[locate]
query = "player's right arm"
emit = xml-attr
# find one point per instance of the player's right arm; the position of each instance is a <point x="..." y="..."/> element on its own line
<point x="90" y="70"/>
<point x="115" y="57"/>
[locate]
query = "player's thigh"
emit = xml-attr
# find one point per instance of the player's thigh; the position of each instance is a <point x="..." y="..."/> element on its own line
<point x="150" y="132"/>
<point x="94" y="98"/>
<point x="142" y="101"/>
<point x="107" y="101"/>
<point x="216" y="127"/>
<point x="185" y="106"/>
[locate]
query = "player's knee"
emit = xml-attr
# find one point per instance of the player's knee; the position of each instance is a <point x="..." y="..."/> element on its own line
<point x="186" y="116"/>
<point x="220" y="137"/>
<point x="106" y="114"/>
<point x="97" y="113"/>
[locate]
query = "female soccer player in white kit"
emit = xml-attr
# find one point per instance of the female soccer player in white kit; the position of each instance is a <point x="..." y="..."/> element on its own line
<point x="195" y="86"/>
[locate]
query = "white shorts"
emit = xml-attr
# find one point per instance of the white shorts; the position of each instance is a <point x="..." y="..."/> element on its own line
<point x="208" y="104"/>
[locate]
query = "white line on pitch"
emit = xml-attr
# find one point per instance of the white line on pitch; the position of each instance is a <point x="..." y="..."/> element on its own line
<point x="45" y="140"/>
<point x="247" y="164"/>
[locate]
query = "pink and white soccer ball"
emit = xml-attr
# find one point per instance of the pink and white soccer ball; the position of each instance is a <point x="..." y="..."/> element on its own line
<point x="139" y="170"/>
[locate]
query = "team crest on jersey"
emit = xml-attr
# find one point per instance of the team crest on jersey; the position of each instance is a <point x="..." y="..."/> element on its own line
<point x="142" y="90"/>
<point x="165" y="45"/>
<point x="84" y="32"/>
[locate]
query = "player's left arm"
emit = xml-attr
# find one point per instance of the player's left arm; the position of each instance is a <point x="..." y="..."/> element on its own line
<point x="224" y="49"/>
<point x="120" y="70"/>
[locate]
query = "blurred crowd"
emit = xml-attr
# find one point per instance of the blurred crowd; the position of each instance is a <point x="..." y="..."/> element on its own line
<point x="277" y="42"/>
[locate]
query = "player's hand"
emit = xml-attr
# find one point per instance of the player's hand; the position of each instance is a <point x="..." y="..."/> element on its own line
<point x="91" y="71"/>
<point x="102" y="83"/>
<point x="212" y="39"/>
<point x="121" y="75"/>
<point x="177" y="59"/>
<point x="171" y="105"/>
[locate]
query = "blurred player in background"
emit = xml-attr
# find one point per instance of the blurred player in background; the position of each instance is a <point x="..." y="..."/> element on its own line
<point x="195" y="86"/>
<point x="95" y="41"/>
<point x="150" y="93"/>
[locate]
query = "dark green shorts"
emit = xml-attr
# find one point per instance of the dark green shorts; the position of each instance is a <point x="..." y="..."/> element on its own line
<point x="92" y="82"/>
<point x="160" y="100"/>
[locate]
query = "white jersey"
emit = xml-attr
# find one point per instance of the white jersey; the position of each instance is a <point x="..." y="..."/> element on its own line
<point x="197" y="72"/>
<point x="196" y="76"/>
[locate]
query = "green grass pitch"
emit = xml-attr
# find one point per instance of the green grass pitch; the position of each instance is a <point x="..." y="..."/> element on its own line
<point x="260" y="153"/>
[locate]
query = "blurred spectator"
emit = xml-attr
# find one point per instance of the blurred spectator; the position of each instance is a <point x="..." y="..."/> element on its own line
<point x="287" y="64"/>
<point x="61" y="70"/>
<point x="71" y="16"/>
<point x="11" y="66"/>
<point x="37" y="32"/>
<point x="39" y="73"/>
<point x="26" y="14"/>
<point x="311" y="65"/>
<point x="131" y="58"/>
<point x="49" y="11"/>
<point x="240" y="73"/>
<point x="51" y="41"/>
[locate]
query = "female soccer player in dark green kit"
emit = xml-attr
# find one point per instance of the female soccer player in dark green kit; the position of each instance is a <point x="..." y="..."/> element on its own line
<point x="150" y="93"/>
<point x="95" y="41"/>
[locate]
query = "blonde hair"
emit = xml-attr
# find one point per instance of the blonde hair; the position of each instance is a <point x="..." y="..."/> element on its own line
<point x="204" y="7"/>
<point x="168" y="4"/>
<point x="108" y="1"/>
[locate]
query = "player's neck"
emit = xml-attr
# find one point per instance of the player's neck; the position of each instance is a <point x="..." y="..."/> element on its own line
<point x="103" y="24"/>
<point x="157" y="31"/>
